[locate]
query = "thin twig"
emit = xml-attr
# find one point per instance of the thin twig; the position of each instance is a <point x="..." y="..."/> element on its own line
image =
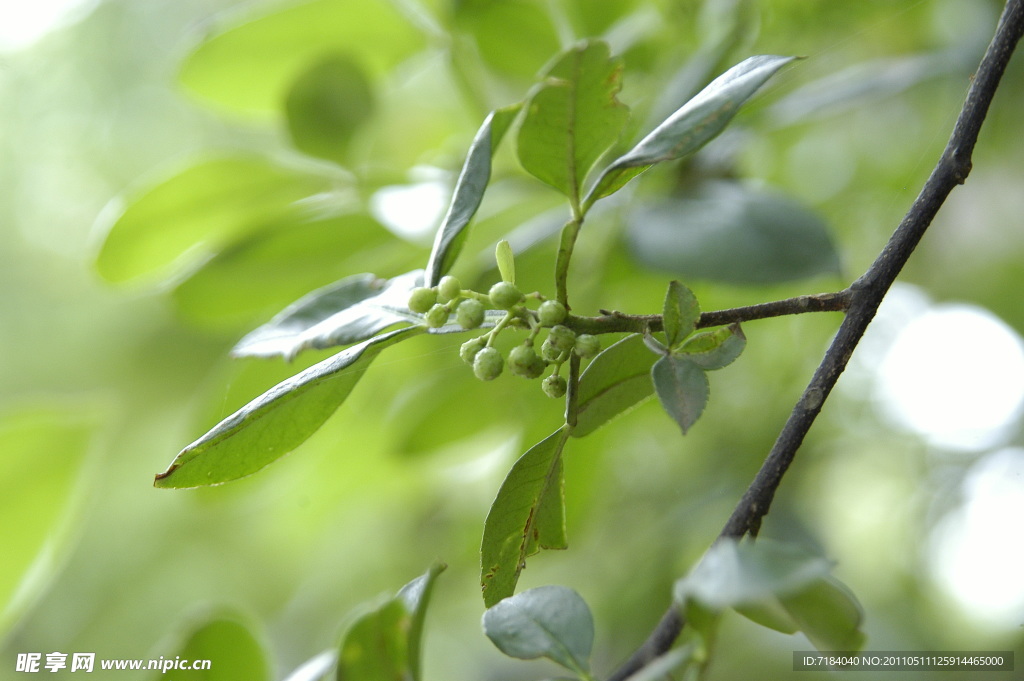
<point x="618" y="322"/>
<point x="867" y="293"/>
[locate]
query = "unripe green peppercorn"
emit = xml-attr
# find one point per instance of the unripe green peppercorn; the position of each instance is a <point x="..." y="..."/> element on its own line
<point x="536" y="368"/>
<point x="550" y="313"/>
<point x="469" y="349"/>
<point x="553" y="386"/>
<point x="523" y="361"/>
<point x="470" y="313"/>
<point x="422" y="299"/>
<point x="550" y="353"/>
<point x="437" y="316"/>
<point x="505" y="295"/>
<point x="448" y="289"/>
<point x="587" y="346"/>
<point x="487" y="364"/>
<point x="562" y="338"/>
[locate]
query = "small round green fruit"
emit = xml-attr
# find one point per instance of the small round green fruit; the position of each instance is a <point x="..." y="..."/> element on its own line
<point x="437" y="316"/>
<point x="487" y="364"/>
<point x="469" y="349"/>
<point x="470" y="313"/>
<point x="551" y="313"/>
<point x="505" y="295"/>
<point x="523" y="361"/>
<point x="562" y="338"/>
<point x="553" y="386"/>
<point x="587" y="346"/>
<point x="550" y="353"/>
<point x="422" y="299"/>
<point x="448" y="289"/>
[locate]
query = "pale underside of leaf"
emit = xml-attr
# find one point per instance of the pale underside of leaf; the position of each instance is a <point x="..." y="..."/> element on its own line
<point x="547" y="621"/>
<point x="692" y="126"/>
<point x="348" y="311"/>
<point x="682" y="388"/>
<point x="469" y="192"/>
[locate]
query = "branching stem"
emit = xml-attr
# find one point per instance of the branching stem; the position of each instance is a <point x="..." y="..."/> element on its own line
<point x="864" y="297"/>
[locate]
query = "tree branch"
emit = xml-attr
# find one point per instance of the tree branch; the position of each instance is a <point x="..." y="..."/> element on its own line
<point x="618" y="322"/>
<point x="867" y="292"/>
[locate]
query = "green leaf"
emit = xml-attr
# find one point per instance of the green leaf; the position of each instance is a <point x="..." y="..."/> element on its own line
<point x="724" y="231"/>
<point x="259" y="274"/>
<point x="779" y="586"/>
<point x="693" y="125"/>
<point x="277" y="421"/>
<point x="234" y="652"/>
<point x="528" y="514"/>
<point x="196" y="213"/>
<point x="506" y="261"/>
<point x="376" y="647"/>
<point x="681" y="313"/>
<point x="249" y="66"/>
<point x="615" y="381"/>
<point x="347" y="311"/>
<point x="828" y="614"/>
<point x="416" y="597"/>
<point x="549" y="621"/>
<point x="573" y="118"/>
<point x="45" y="457"/>
<point x="469" y="192"/>
<point x="682" y="388"/>
<point x="733" y="574"/>
<point x="384" y="643"/>
<point x="769" y="613"/>
<point x="715" y="349"/>
<point x="327" y="104"/>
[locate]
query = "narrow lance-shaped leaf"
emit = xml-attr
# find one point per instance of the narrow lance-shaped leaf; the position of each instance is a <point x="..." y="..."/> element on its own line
<point x="527" y="515"/>
<point x="548" y="621"/>
<point x="681" y="313"/>
<point x="693" y="125"/>
<point x="682" y="388"/>
<point x="277" y="421"/>
<point x="348" y="311"/>
<point x="615" y="381"/>
<point x="469" y="192"/>
<point x="573" y="118"/>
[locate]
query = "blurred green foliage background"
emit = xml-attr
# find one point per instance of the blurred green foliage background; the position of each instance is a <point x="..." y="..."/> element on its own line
<point x="110" y="363"/>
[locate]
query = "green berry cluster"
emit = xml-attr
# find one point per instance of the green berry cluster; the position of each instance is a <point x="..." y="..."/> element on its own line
<point x="438" y="303"/>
